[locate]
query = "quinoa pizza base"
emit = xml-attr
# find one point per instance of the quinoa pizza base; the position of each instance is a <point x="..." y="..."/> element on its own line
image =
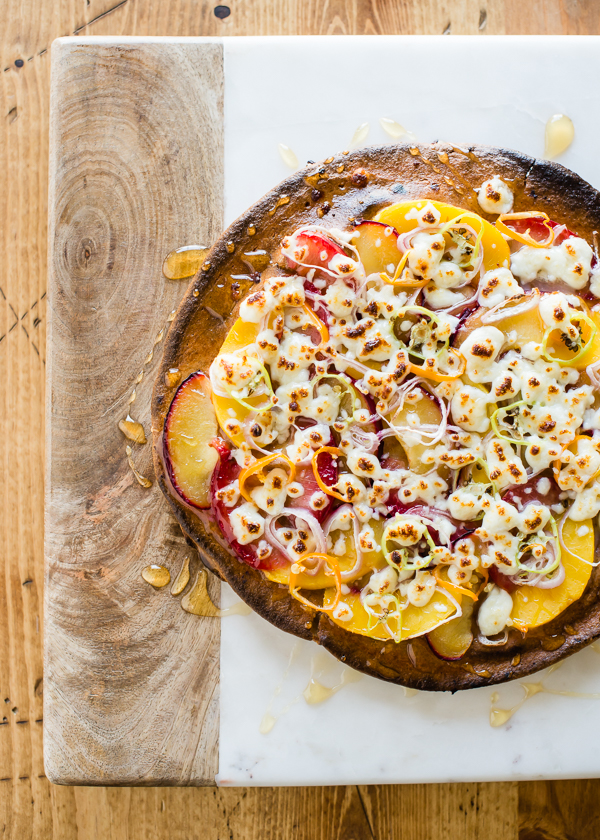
<point x="337" y="195"/>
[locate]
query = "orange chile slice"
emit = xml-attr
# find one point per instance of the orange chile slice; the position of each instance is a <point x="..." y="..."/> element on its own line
<point x="299" y="564"/>
<point x="428" y="371"/>
<point x="525" y="238"/>
<point x="459" y="590"/>
<point x="316" y="322"/>
<point x="332" y="450"/>
<point x="396" y="279"/>
<point x="257" y="468"/>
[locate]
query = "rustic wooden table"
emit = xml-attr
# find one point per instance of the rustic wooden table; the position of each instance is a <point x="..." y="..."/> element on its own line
<point x="29" y="805"/>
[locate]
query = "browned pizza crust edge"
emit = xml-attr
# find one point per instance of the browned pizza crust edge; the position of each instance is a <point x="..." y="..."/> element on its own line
<point x="344" y="188"/>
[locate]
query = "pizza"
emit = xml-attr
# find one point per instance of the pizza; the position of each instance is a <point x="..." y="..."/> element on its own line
<point x="378" y="412"/>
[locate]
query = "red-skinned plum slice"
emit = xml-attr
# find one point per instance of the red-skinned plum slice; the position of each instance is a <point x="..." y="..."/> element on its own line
<point x="309" y="249"/>
<point x="189" y="428"/>
<point x="377" y="246"/>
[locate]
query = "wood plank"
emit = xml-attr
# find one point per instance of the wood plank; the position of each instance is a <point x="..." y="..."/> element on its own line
<point x="131" y="681"/>
<point x="30" y="806"/>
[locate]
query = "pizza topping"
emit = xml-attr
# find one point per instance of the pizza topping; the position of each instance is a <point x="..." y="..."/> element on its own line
<point x="495" y="196"/>
<point x="570" y="263"/>
<point x="496" y="286"/>
<point x="406" y="418"/>
<point x="494" y="613"/>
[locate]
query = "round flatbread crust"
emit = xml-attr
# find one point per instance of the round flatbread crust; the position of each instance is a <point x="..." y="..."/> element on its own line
<point x="345" y="188"/>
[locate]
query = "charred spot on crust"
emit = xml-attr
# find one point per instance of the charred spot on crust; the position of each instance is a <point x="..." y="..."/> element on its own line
<point x="359" y="178"/>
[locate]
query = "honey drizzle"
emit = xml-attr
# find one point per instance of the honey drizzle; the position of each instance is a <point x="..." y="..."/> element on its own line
<point x="145" y="482"/>
<point x="182" y="579"/>
<point x="133" y="430"/>
<point x="142" y="480"/>
<point x="288" y="156"/>
<point x="395" y="130"/>
<point x="315" y="692"/>
<point x="471" y="155"/>
<point x="156" y="576"/>
<point x="498" y="716"/>
<point x="184" y="262"/>
<point x="198" y="601"/>
<point x="283" y="199"/>
<point x="417" y="153"/>
<point x="559" y="135"/>
<point x="269" y="720"/>
<point x="360" y="135"/>
<point x="443" y="158"/>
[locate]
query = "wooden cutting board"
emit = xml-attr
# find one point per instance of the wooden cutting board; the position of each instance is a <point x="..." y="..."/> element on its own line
<point x="136" y="169"/>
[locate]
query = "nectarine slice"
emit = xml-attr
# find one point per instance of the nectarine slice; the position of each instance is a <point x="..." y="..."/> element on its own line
<point x="532" y="606"/>
<point x="190" y="426"/>
<point x="453" y="639"/>
<point x="377" y="247"/>
<point x="496" y="252"/>
<point x="416" y="621"/>
<point x="414" y="415"/>
<point x="239" y="336"/>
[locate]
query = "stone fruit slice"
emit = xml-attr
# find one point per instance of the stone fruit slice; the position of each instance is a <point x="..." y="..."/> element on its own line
<point x="190" y="427"/>
<point x="239" y="336"/>
<point x="495" y="250"/>
<point x="377" y="247"/>
<point x="533" y="606"/>
<point x="416" y="621"/>
<point x="452" y="640"/>
<point x="425" y="411"/>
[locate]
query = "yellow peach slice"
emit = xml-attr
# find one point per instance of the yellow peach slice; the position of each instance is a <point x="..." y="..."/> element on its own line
<point x="189" y="428"/>
<point x="424" y="412"/>
<point x="532" y="606"/>
<point x="324" y="577"/>
<point x="376" y="246"/>
<point x="415" y="620"/>
<point x="239" y="336"/>
<point x="496" y="252"/>
<point x="528" y="326"/>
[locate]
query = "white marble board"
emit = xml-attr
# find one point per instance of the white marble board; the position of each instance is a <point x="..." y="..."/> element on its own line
<point x="311" y="94"/>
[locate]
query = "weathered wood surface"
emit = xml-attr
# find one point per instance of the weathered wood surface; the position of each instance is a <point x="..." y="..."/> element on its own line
<point x="30" y="807"/>
<point x="136" y="169"/>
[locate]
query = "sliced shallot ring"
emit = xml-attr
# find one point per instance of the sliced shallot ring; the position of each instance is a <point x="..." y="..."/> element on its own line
<point x="497" y="313"/>
<point x="484" y="640"/>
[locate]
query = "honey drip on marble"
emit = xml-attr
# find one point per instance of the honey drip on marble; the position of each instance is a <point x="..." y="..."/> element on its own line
<point x="498" y="716"/>
<point x="198" y="602"/>
<point x="397" y="131"/>
<point x="182" y="579"/>
<point x="560" y="133"/>
<point x="314" y="693"/>
<point x="360" y="135"/>
<point x="269" y="719"/>
<point x="156" y="576"/>
<point x="133" y="430"/>
<point x="184" y="262"/>
<point x="288" y="156"/>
